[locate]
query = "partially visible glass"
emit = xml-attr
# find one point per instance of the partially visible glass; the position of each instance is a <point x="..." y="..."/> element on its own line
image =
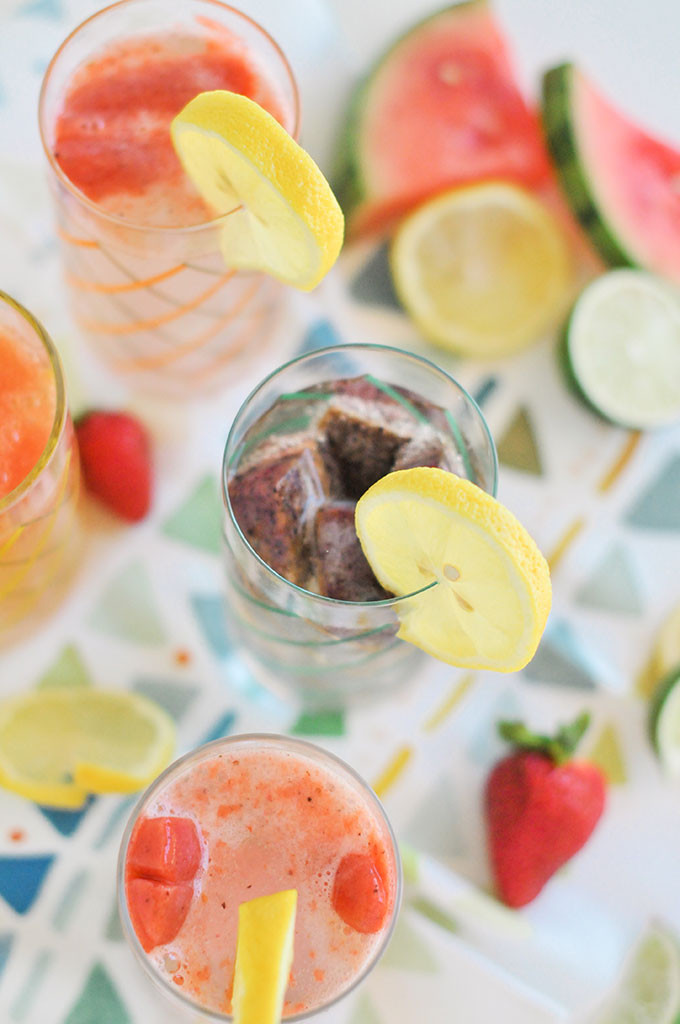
<point x="320" y="768"/>
<point x="38" y="529"/>
<point x="326" y="652"/>
<point x="157" y="304"/>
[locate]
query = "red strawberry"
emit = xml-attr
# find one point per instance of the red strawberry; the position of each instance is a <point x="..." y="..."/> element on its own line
<point x="166" y="849"/>
<point x="541" y="807"/>
<point x="359" y="896"/>
<point x="115" y="456"/>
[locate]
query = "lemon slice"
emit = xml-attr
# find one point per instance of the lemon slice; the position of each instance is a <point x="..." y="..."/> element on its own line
<point x="649" y="989"/>
<point x="491" y="595"/>
<point x="483" y="270"/>
<point x="285" y="220"/>
<point x="264" y="956"/>
<point x="57" y="745"/>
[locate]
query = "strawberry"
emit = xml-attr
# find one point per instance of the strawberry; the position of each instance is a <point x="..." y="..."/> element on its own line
<point x="541" y="806"/>
<point x="165" y="849"/>
<point x="359" y="896"/>
<point x="115" y="456"/>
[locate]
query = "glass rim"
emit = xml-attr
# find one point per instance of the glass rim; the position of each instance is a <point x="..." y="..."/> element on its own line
<point x="160" y="231"/>
<point x="60" y="406"/>
<point x="387" y="602"/>
<point x="198" y="753"/>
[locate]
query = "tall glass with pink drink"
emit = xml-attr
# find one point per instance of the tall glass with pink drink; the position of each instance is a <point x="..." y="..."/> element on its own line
<point x="245" y="817"/>
<point x="148" y="286"/>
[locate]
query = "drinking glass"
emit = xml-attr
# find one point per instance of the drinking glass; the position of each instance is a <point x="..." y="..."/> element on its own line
<point x="326" y="652"/>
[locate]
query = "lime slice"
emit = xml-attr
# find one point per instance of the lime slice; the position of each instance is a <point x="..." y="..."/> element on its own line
<point x="57" y="745"/>
<point x="285" y="220"/>
<point x="483" y="270"/>
<point x="492" y="593"/>
<point x="264" y="956"/>
<point x="665" y="722"/>
<point x="622" y="346"/>
<point x="649" y="989"/>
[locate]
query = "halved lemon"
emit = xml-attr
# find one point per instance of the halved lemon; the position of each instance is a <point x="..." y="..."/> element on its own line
<point x="285" y="220"/>
<point x="490" y="594"/>
<point x="264" y="956"/>
<point x="483" y="270"/>
<point x="57" y="745"/>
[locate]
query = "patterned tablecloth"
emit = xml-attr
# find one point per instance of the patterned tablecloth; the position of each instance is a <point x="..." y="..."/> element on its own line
<point x="145" y="612"/>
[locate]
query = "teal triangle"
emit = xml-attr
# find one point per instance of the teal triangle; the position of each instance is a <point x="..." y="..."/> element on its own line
<point x="176" y="698"/>
<point x="114" y="930"/>
<point x="408" y="951"/>
<point x="66" y="822"/>
<point x="320" y="335"/>
<point x="44" y="8"/>
<point x="373" y="283"/>
<point x="658" y="507"/>
<point x="562" y="659"/>
<point x="127" y="608"/>
<point x="6" y="941"/>
<point x="613" y="586"/>
<point x="210" y="613"/>
<point x="98" y="1002"/>
<point x="320" y="723"/>
<point x="198" y="521"/>
<point x="68" y="670"/>
<point x="486" y="746"/>
<point x="364" y="1012"/>
<point x="435" y="828"/>
<point x="21" y="879"/>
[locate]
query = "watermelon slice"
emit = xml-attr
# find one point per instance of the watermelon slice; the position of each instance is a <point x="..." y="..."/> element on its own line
<point x="621" y="183"/>
<point x="440" y="109"/>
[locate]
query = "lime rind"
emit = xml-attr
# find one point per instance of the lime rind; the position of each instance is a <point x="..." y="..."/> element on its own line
<point x="648" y="991"/>
<point x="664" y="722"/>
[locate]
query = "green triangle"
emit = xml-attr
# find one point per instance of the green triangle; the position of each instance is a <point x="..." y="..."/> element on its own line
<point x="68" y="670"/>
<point x="658" y="508"/>
<point x="127" y="608"/>
<point x="114" y="930"/>
<point x="364" y="1011"/>
<point x="99" y="1001"/>
<point x="176" y="698"/>
<point x="517" y="447"/>
<point x="613" y="586"/>
<point x="407" y="951"/>
<point x="198" y="522"/>
<point x="607" y="755"/>
<point x="320" y="723"/>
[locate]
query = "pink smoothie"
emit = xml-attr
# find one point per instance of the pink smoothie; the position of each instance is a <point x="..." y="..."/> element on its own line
<point x="112" y="137"/>
<point x="254" y="819"/>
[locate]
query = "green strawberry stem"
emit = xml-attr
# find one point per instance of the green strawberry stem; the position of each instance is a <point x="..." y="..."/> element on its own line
<point x="558" y="748"/>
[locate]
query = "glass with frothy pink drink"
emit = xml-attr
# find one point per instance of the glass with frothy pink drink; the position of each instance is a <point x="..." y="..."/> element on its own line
<point x="148" y="285"/>
<point x="245" y="817"/>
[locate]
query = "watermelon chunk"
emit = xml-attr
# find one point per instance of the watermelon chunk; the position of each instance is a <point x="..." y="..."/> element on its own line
<point x="157" y="911"/>
<point x="165" y="848"/>
<point x="621" y="183"/>
<point x="440" y="109"/>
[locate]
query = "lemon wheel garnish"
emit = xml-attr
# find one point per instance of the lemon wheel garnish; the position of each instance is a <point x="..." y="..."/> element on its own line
<point x="491" y="595"/>
<point x="264" y="956"/>
<point x="285" y="220"/>
<point x="58" y="745"/>
<point x="483" y="270"/>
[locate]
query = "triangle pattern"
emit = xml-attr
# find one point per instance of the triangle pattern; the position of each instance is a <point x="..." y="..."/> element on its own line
<point x="434" y="828"/>
<point x="198" y="521"/>
<point x="99" y="1001"/>
<point x="127" y="608"/>
<point x="373" y="283"/>
<point x="562" y="659"/>
<point x="210" y="612"/>
<point x="517" y="447"/>
<point x="320" y="335"/>
<point x="408" y="951"/>
<point x="68" y="670"/>
<point x="222" y="727"/>
<point x="114" y="930"/>
<point x="6" y="941"/>
<point x="607" y="754"/>
<point x="44" y="8"/>
<point x="364" y="1011"/>
<point x="658" y="507"/>
<point x="21" y="879"/>
<point x="66" y="822"/>
<point x="175" y="698"/>
<point x="613" y="586"/>
<point x="320" y="723"/>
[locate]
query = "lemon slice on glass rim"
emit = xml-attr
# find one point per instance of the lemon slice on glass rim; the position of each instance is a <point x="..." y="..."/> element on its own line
<point x="57" y="745"/>
<point x="491" y="595"/>
<point x="264" y="956"/>
<point x="283" y="217"/>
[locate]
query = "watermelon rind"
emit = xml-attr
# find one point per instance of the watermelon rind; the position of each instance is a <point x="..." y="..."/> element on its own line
<point x="559" y="125"/>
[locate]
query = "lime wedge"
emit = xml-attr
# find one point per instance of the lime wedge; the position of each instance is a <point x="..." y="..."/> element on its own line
<point x="57" y="745"/>
<point x="649" y="988"/>
<point x="283" y="217"/>
<point x="622" y="348"/>
<point x="264" y="956"/>
<point x="665" y="722"/>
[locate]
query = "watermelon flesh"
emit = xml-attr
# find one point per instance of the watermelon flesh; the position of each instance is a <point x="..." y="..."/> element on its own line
<point x="441" y="109"/>
<point x="634" y="181"/>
